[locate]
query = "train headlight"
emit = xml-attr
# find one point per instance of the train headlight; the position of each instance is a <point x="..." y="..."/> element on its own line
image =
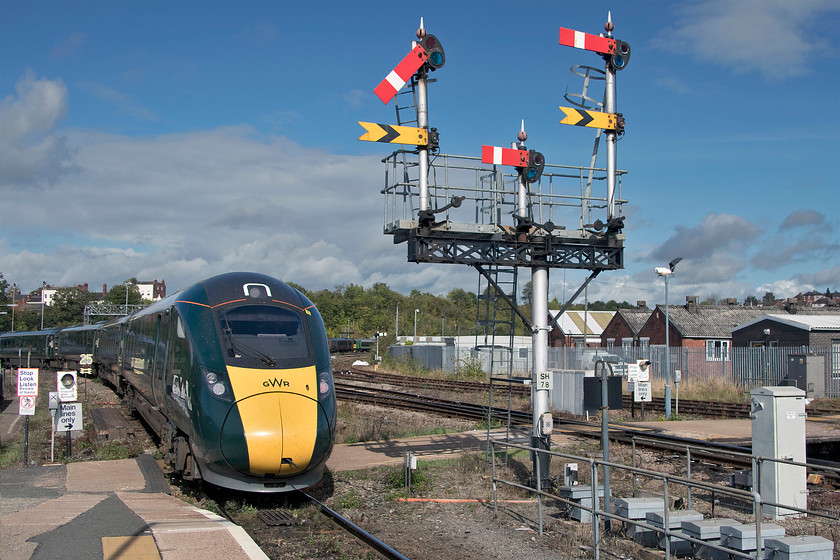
<point x="216" y="385"/>
<point x="325" y="383"/>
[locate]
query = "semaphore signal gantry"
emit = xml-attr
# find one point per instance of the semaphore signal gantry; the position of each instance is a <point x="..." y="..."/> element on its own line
<point x="475" y="211"/>
<point x="471" y="210"/>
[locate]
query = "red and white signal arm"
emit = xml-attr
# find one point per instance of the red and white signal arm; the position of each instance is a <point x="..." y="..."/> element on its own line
<point x="397" y="78"/>
<point x="586" y="41"/>
<point x="504" y="156"/>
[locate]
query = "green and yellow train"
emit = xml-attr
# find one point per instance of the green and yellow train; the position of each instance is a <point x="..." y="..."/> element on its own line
<point x="233" y="375"/>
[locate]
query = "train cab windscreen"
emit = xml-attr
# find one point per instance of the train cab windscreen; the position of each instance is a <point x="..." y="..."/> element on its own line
<point x="264" y="337"/>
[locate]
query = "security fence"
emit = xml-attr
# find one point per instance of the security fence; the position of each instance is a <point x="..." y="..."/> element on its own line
<point x="601" y="506"/>
<point x="744" y="367"/>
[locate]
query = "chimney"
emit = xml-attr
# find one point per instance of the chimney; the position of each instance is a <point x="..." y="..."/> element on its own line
<point x="641" y="304"/>
<point x="104" y="288"/>
<point x="691" y="303"/>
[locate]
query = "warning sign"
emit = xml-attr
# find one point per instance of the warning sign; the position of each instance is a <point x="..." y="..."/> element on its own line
<point x="27" y="382"/>
<point x="642" y="392"/>
<point x="27" y="406"/>
<point x="66" y="383"/>
<point x="69" y="417"/>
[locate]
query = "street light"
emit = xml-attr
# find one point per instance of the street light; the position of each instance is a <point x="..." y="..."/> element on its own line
<point x="666" y="272"/>
<point x="14" y="304"/>
<point x="127" y="284"/>
<point x="43" y="287"/>
<point x="416" y="311"/>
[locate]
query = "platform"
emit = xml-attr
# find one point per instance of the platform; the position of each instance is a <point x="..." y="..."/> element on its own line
<point x="109" y="509"/>
<point x="732" y="430"/>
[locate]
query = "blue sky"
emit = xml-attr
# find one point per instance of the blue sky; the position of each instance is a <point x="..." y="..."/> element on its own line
<point x="178" y="140"/>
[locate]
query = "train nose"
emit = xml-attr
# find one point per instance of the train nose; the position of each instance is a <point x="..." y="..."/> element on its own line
<point x="279" y="433"/>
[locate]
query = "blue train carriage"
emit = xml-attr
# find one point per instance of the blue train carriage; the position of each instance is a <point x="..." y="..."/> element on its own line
<point x="75" y="341"/>
<point x="234" y="375"/>
<point x="106" y="354"/>
<point x="29" y="348"/>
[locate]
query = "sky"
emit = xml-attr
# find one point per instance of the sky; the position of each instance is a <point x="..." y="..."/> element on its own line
<point x="179" y="140"/>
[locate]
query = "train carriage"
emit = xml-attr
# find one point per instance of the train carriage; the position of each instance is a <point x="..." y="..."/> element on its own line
<point x="29" y="348"/>
<point x="73" y="342"/>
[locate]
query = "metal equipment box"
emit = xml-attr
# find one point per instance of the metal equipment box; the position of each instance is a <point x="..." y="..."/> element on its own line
<point x="638" y="508"/>
<point x="676" y="518"/>
<point x="807" y="547"/>
<point x="582" y="495"/>
<point x="778" y="432"/>
<point x="708" y="530"/>
<point x="742" y="537"/>
<point x="807" y="372"/>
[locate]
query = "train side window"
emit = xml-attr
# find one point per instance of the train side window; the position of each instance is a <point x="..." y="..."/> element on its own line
<point x="179" y="329"/>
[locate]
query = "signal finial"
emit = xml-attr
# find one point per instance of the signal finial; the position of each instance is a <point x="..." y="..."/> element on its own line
<point x="422" y="31"/>
<point x="608" y="27"/>
<point x="522" y="136"/>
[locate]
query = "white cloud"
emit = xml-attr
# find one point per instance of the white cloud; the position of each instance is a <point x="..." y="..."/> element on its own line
<point x="778" y="38"/>
<point x="30" y="152"/>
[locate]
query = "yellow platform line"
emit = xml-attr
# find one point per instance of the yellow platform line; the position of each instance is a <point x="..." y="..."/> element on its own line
<point x="141" y="547"/>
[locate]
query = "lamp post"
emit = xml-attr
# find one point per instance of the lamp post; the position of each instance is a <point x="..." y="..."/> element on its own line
<point x="14" y="302"/>
<point x="127" y="284"/>
<point x="43" y="287"/>
<point x="416" y="311"/>
<point x="397" y="324"/>
<point x="665" y="272"/>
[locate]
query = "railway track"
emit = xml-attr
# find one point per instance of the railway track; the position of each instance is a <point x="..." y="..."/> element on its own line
<point x="719" y="453"/>
<point x="385" y="550"/>
<point x="705" y="409"/>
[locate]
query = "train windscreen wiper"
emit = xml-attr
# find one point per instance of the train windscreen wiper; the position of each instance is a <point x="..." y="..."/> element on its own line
<point x="238" y="347"/>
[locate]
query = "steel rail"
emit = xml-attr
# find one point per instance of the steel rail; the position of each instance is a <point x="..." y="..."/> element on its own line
<point x="715" y="451"/>
<point x="694" y="407"/>
<point x="380" y="547"/>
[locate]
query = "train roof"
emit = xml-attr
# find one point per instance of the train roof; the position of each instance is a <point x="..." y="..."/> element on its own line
<point x="30" y="333"/>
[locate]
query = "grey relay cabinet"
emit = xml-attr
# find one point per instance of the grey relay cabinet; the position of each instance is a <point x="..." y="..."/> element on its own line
<point x="778" y="432"/>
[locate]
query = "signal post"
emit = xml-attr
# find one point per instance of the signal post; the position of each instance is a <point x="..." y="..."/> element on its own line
<point x="441" y="228"/>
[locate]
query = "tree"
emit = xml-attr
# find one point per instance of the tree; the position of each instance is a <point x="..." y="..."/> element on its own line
<point x="527" y="293"/>
<point x="116" y="295"/>
<point x="5" y="299"/>
<point x="68" y="307"/>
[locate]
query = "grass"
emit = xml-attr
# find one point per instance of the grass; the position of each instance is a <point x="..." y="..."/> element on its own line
<point x="84" y="446"/>
<point x="359" y="423"/>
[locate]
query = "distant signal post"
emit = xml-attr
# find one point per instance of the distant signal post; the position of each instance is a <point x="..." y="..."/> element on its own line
<point x="616" y="55"/>
<point x="426" y="55"/>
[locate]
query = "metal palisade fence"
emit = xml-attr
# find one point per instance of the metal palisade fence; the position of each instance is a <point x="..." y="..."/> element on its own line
<point x="744" y="367"/>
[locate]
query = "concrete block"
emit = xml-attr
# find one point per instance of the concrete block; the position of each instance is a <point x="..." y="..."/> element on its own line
<point x="807" y="547"/>
<point x="742" y="537"/>
<point x="581" y="494"/>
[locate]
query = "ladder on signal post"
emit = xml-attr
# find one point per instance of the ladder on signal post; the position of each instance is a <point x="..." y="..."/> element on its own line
<point x="495" y="318"/>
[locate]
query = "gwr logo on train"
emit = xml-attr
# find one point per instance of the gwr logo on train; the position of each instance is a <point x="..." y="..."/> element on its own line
<point x="275" y="383"/>
<point x="181" y="392"/>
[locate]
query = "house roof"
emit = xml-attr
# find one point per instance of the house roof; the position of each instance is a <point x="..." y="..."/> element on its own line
<point x="572" y="322"/>
<point x="709" y="321"/>
<point x="635" y="318"/>
<point x="821" y="322"/>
